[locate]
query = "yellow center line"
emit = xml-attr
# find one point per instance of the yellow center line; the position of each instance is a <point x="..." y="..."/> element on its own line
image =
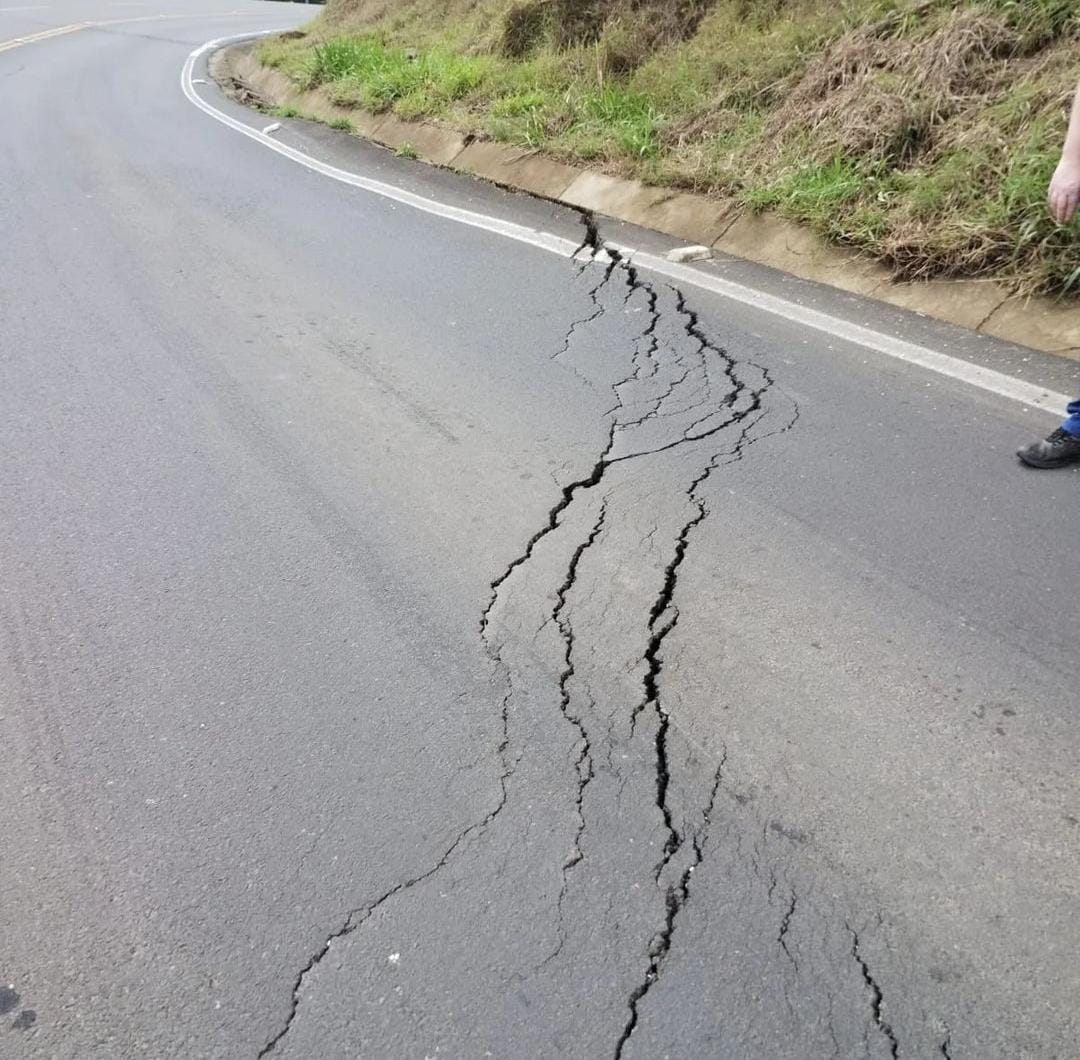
<point x="33" y="38"/>
<point x="74" y="27"/>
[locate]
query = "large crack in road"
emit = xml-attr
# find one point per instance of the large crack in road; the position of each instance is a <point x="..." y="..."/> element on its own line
<point x="577" y="624"/>
<point x="663" y="614"/>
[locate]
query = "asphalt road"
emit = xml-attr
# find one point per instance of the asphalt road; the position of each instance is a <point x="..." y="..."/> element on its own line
<point x="415" y="643"/>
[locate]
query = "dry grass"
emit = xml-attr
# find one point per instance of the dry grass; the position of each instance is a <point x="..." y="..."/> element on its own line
<point x="879" y="95"/>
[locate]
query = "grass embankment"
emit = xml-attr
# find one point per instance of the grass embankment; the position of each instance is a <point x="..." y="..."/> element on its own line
<point x="924" y="133"/>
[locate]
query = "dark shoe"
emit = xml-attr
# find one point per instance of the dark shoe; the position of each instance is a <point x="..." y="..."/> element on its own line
<point x="1059" y="449"/>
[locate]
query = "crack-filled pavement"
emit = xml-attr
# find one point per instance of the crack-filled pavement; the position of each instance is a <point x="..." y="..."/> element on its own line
<point x="634" y="813"/>
<point x="417" y="643"/>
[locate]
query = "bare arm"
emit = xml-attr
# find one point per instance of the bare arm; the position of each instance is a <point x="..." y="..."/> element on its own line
<point x="1065" y="187"/>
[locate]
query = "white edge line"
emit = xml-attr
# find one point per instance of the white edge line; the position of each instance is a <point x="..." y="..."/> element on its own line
<point x="544" y="240"/>
<point x="952" y="367"/>
<point x="941" y="363"/>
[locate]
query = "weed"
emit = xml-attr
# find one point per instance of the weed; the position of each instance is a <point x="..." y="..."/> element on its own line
<point x="406" y="150"/>
<point x="383" y="76"/>
<point x="520" y="118"/>
<point x="626" y="117"/>
<point x="818" y="194"/>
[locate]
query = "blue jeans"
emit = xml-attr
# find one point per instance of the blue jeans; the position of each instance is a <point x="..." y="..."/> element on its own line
<point x="1072" y="424"/>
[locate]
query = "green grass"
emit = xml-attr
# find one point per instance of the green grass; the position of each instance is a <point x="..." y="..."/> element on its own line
<point x="937" y="169"/>
<point x="620" y="117"/>
<point x="813" y="193"/>
<point x="380" y="77"/>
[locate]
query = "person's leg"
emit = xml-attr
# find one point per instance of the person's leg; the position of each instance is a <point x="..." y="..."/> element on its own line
<point x="1061" y="448"/>
<point x="1072" y="424"/>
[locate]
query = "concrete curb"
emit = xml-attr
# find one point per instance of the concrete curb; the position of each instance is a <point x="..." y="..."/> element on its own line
<point x="984" y="306"/>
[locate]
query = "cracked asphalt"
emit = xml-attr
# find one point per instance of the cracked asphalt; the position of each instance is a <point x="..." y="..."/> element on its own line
<point x="414" y="644"/>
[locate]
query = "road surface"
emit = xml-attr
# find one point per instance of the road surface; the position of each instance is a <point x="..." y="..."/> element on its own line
<point x="418" y="643"/>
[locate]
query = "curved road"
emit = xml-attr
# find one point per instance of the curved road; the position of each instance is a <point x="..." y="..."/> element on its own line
<point x="416" y="643"/>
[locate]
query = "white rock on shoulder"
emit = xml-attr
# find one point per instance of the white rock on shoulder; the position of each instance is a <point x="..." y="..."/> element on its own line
<point x="683" y="254"/>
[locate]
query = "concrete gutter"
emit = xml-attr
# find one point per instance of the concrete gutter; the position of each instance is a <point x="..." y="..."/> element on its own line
<point x="985" y="306"/>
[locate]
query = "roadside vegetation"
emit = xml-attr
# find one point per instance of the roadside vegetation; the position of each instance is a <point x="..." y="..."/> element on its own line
<point x="923" y="133"/>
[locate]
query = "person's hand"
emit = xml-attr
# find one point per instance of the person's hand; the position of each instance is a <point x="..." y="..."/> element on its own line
<point x="1065" y="191"/>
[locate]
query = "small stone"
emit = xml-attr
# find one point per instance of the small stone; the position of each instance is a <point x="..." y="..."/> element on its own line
<point x="683" y="254"/>
<point x="9" y="999"/>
